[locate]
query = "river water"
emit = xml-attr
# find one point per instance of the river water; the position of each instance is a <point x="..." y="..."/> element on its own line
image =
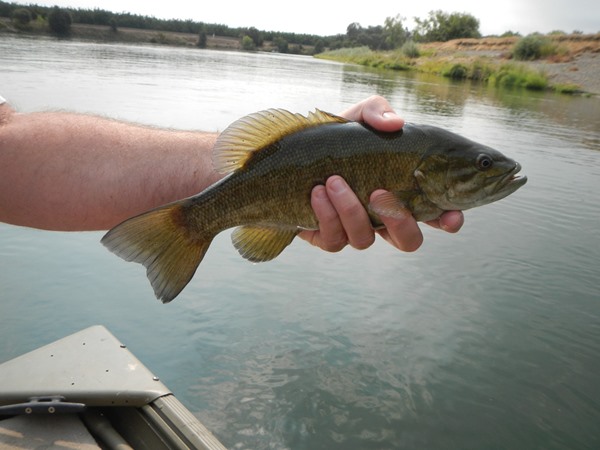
<point x="485" y="339"/>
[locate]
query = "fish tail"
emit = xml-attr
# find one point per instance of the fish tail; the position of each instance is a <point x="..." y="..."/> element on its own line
<point x="160" y="240"/>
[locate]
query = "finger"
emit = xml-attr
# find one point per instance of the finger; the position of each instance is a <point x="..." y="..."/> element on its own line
<point x="351" y="212"/>
<point x="331" y="235"/>
<point x="376" y="112"/>
<point x="379" y="114"/>
<point x="402" y="230"/>
<point x="450" y="221"/>
<point x="404" y="234"/>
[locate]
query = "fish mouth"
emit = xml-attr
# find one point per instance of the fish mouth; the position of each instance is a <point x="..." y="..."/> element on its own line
<point x="511" y="181"/>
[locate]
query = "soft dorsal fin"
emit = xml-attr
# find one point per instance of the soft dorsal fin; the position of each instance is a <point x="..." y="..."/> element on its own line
<point x="256" y="131"/>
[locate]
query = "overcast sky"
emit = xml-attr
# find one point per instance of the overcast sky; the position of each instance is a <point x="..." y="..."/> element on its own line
<point x="325" y="18"/>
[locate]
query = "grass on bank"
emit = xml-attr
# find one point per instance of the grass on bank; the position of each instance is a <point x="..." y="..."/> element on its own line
<point x="364" y="56"/>
<point x="484" y="69"/>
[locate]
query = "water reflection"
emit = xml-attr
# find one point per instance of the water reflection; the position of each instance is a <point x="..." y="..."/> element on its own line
<point x="488" y="338"/>
<point x="372" y="81"/>
<point x="435" y="95"/>
<point x="438" y="96"/>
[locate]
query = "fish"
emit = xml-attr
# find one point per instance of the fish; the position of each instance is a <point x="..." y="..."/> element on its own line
<point x="271" y="160"/>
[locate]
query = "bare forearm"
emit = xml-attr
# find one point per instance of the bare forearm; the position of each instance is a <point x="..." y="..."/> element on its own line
<point x="64" y="171"/>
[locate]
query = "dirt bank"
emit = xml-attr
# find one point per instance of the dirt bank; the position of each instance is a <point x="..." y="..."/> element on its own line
<point x="102" y="33"/>
<point x="576" y="62"/>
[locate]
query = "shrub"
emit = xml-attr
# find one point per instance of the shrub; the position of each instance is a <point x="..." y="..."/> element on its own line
<point x="410" y="49"/>
<point x="248" y="43"/>
<point x="112" y="23"/>
<point x="457" y="72"/>
<point x="535" y="81"/>
<point x="202" y="38"/>
<point x="281" y="44"/>
<point x="567" y="88"/>
<point x="532" y="47"/>
<point x="481" y="69"/>
<point x="160" y="38"/>
<point x="319" y="47"/>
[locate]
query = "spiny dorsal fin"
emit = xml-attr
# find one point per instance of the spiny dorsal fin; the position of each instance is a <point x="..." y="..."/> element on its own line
<point x="259" y="130"/>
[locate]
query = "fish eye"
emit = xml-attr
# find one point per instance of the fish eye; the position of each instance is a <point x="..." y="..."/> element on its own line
<point x="484" y="162"/>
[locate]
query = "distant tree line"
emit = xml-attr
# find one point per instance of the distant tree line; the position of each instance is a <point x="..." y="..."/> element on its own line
<point x="128" y="20"/>
<point x="438" y="26"/>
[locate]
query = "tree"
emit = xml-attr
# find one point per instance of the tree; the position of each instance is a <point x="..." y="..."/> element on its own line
<point x="281" y="44"/>
<point x="255" y="35"/>
<point x="393" y="31"/>
<point x="441" y="26"/>
<point x="21" y="18"/>
<point x="202" y="37"/>
<point x="353" y="31"/>
<point x="357" y="36"/>
<point x="319" y="47"/>
<point x="248" y="44"/>
<point x="59" y="21"/>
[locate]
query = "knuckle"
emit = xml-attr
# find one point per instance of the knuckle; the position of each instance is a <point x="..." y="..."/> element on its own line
<point x="375" y="98"/>
<point x="350" y="209"/>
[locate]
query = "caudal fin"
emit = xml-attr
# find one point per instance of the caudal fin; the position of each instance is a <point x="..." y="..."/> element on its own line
<point x="160" y="241"/>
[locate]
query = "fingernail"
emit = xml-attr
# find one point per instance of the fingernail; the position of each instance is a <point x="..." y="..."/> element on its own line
<point x="337" y="185"/>
<point x="320" y="192"/>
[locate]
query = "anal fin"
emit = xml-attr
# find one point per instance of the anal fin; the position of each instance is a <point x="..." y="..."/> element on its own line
<point x="259" y="243"/>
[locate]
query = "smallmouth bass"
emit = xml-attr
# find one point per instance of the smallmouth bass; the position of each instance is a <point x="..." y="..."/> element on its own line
<point x="273" y="159"/>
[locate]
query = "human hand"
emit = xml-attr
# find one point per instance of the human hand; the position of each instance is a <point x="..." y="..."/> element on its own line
<point x="342" y="218"/>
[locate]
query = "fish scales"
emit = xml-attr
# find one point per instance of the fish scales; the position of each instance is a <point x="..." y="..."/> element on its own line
<point x="273" y="159"/>
<point x="276" y="189"/>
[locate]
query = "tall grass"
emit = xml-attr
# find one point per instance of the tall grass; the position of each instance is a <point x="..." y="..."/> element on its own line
<point x="481" y="69"/>
<point x="394" y="60"/>
<point x="518" y="75"/>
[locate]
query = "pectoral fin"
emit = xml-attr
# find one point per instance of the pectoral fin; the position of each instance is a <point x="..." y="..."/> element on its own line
<point x="262" y="243"/>
<point x="398" y="204"/>
<point x="394" y="204"/>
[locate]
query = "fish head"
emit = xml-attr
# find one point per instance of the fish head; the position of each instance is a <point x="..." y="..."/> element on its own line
<point x="461" y="174"/>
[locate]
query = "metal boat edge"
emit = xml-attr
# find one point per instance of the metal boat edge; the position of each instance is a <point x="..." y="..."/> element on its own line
<point x="93" y="377"/>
